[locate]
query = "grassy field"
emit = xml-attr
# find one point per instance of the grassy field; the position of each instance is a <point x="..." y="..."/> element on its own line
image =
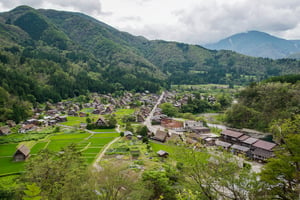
<point x="90" y="144"/>
<point x="104" y="130"/>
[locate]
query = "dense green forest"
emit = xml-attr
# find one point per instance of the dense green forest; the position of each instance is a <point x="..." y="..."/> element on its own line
<point x="48" y="55"/>
<point x="259" y="105"/>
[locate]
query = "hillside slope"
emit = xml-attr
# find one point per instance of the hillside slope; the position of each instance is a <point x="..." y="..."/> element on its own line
<point x="53" y="55"/>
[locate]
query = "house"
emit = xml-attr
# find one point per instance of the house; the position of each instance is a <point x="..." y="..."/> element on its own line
<point x="238" y="149"/>
<point x="231" y="136"/>
<point x="11" y="123"/>
<point x="248" y="142"/>
<point x="162" y="153"/>
<point x="101" y="122"/>
<point x="4" y="130"/>
<point x="224" y="145"/>
<point x="263" y="150"/>
<point x="21" y="154"/>
<point x="26" y="128"/>
<point x="96" y="111"/>
<point x="200" y="130"/>
<point x="160" y="135"/>
<point x="191" y="123"/>
<point x="128" y="134"/>
<point x="140" y="118"/>
<point x="72" y="113"/>
<point x="82" y="114"/>
<point x="61" y="118"/>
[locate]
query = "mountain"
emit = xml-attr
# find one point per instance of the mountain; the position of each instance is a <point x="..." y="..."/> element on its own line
<point x="48" y="55"/>
<point x="258" y="44"/>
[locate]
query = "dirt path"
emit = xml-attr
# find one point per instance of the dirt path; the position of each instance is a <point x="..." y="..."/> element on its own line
<point x="101" y="154"/>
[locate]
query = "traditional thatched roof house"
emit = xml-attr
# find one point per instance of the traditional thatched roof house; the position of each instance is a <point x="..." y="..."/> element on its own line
<point x="11" y="123"/>
<point x="160" y="135"/>
<point x="128" y="134"/>
<point x="101" y="121"/>
<point x="21" y="154"/>
<point x="4" y="130"/>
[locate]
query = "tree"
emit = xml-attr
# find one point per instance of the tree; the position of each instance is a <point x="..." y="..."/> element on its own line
<point x="58" y="175"/>
<point x="116" y="182"/>
<point x="217" y="175"/>
<point x="168" y="109"/>
<point x="282" y="173"/>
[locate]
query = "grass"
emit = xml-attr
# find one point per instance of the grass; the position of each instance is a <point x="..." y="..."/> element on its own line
<point x="9" y="166"/>
<point x="107" y="134"/>
<point x="104" y="130"/>
<point x="124" y="112"/>
<point x="171" y="149"/>
<point x="57" y="145"/>
<point x="8" y="149"/>
<point x="37" y="147"/>
<point x="100" y="141"/>
<point x="94" y="150"/>
<point x="70" y="136"/>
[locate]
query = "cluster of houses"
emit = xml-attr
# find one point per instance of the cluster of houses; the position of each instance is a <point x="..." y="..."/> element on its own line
<point x="194" y="133"/>
<point x="241" y="143"/>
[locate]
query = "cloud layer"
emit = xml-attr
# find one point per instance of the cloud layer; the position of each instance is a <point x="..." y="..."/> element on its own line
<point x="190" y="21"/>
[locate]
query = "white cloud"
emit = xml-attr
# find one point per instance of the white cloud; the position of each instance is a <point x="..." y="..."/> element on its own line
<point x="191" y="21"/>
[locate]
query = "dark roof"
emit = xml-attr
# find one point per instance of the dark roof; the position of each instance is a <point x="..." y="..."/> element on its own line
<point x="223" y="144"/>
<point x="264" y="145"/>
<point x="5" y="130"/>
<point x="231" y="133"/>
<point x="24" y="150"/>
<point x="250" y="140"/>
<point x="241" y="148"/>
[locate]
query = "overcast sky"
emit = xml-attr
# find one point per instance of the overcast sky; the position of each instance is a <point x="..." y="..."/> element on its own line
<point x="189" y="21"/>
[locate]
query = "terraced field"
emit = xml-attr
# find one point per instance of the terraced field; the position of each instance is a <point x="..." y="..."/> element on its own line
<point x="90" y="144"/>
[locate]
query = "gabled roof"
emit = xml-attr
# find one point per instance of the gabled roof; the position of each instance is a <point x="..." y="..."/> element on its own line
<point x="161" y="135"/>
<point x="244" y="137"/>
<point x="162" y="153"/>
<point x="231" y="133"/>
<point x="24" y="150"/>
<point x="241" y="148"/>
<point x="223" y="144"/>
<point x="128" y="133"/>
<point x="250" y="140"/>
<point x="264" y="145"/>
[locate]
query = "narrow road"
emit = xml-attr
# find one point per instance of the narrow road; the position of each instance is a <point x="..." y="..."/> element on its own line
<point x="147" y="122"/>
<point x="99" y="157"/>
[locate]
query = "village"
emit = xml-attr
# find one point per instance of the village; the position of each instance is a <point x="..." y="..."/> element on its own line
<point x="163" y="131"/>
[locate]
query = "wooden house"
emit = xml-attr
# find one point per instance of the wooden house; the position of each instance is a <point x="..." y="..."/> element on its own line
<point x="231" y="136"/>
<point x="171" y="123"/>
<point x="4" y="130"/>
<point x="101" y="121"/>
<point x="224" y="145"/>
<point x="160" y="135"/>
<point x="200" y="130"/>
<point x="262" y="150"/>
<point x="238" y="149"/>
<point x="128" y="134"/>
<point x="21" y="154"/>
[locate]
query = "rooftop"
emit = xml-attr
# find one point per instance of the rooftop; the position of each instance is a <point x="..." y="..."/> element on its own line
<point x="231" y="133"/>
<point x="264" y="145"/>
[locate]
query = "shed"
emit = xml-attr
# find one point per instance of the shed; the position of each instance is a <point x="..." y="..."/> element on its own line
<point x="162" y="153"/>
<point x="22" y="153"/>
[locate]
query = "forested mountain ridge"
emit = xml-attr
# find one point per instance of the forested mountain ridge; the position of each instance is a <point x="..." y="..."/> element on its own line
<point x="258" y="44"/>
<point x="52" y="55"/>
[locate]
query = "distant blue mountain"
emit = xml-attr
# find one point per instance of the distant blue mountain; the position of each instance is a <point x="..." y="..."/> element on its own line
<point x="258" y="44"/>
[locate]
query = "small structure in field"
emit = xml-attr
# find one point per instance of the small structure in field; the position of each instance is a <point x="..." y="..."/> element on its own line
<point x="162" y="153"/>
<point x="21" y="154"/>
<point x="128" y="134"/>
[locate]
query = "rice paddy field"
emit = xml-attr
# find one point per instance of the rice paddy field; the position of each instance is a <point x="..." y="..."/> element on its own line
<point x="90" y="144"/>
